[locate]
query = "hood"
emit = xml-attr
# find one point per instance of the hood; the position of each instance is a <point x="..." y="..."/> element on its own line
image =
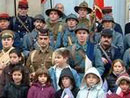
<point x="92" y="70"/>
<point x="66" y="72"/>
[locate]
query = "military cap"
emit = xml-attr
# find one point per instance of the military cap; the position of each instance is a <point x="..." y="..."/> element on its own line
<point x="39" y="17"/>
<point x="83" y="5"/>
<point x="71" y="16"/>
<point x="108" y="18"/>
<point x="7" y="34"/>
<point x="107" y="9"/>
<point x="43" y="32"/>
<point x="82" y="27"/>
<point x="107" y="32"/>
<point x="4" y="16"/>
<point x="23" y="4"/>
<point x="54" y="9"/>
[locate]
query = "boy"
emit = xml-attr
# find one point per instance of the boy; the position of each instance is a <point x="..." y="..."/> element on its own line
<point x="91" y="86"/>
<point x="60" y="58"/>
<point x="67" y="84"/>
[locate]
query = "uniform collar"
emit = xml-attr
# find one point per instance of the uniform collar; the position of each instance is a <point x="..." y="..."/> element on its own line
<point x="78" y="46"/>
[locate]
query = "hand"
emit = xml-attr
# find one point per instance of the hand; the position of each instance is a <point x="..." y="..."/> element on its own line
<point x="105" y="61"/>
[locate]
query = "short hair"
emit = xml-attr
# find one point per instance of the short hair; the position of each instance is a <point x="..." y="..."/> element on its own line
<point x="42" y="71"/>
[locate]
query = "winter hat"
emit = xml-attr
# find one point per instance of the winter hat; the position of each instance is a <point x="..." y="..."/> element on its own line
<point x="123" y="77"/>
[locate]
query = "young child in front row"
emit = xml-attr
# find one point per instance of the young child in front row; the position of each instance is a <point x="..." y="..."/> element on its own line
<point x="123" y="83"/>
<point x="91" y="86"/>
<point x="42" y="87"/>
<point x="67" y="84"/>
<point x="16" y="88"/>
<point x="61" y="57"/>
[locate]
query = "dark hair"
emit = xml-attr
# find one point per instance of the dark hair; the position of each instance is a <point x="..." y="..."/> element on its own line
<point x="21" y="69"/>
<point x="18" y="53"/>
<point x="42" y="71"/>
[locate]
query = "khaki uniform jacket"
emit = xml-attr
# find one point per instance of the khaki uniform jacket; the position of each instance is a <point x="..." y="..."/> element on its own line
<point x="40" y="59"/>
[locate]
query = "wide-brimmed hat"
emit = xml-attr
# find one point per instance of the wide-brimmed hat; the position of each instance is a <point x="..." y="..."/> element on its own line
<point x="71" y="16"/>
<point x="81" y="27"/>
<point x="83" y="5"/>
<point x="54" y="9"/>
<point x="108" y="18"/>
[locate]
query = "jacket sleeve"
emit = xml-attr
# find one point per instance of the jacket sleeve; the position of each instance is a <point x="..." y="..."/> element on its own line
<point x="101" y="94"/>
<point x="31" y="93"/>
<point x="98" y="61"/>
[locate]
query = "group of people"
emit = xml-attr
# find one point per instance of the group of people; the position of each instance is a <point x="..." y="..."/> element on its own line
<point x="64" y="56"/>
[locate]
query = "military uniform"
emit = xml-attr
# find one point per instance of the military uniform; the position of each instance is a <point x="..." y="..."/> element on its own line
<point x="56" y="28"/>
<point x="69" y="36"/>
<point x="17" y="26"/>
<point x="40" y="59"/>
<point x="87" y="22"/>
<point x="79" y="53"/>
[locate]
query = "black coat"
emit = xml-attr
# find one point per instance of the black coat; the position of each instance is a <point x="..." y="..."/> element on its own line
<point x="12" y="90"/>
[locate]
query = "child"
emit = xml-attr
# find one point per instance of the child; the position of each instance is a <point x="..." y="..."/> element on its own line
<point x="91" y="86"/>
<point x="124" y="85"/>
<point x="67" y="84"/>
<point x="16" y="88"/>
<point x="61" y="56"/>
<point x="42" y="87"/>
<point x="15" y="60"/>
<point x="118" y="68"/>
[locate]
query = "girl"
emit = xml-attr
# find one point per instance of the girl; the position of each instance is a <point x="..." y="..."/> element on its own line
<point x="41" y="88"/>
<point x="91" y="86"/>
<point x="15" y="60"/>
<point x="16" y="88"/>
<point x="67" y="84"/>
<point x="118" y="68"/>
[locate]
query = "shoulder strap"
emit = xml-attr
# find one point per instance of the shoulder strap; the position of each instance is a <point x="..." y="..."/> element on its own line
<point x="32" y="55"/>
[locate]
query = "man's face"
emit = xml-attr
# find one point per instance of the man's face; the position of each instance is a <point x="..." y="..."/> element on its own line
<point x="71" y="23"/>
<point x="60" y="7"/>
<point x="82" y="13"/>
<point x="7" y="42"/>
<point x="39" y="24"/>
<point x="43" y="41"/>
<point x="106" y="40"/>
<point x="107" y="24"/>
<point x="22" y="11"/>
<point x="53" y="16"/>
<point x="4" y="24"/>
<point x="82" y="36"/>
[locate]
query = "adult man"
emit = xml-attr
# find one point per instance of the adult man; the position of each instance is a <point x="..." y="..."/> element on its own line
<point x="41" y="58"/>
<point x="7" y="43"/>
<point x="107" y="10"/>
<point x="22" y="23"/>
<point x="69" y="36"/>
<point x="83" y="48"/>
<point x="30" y="38"/>
<point x="55" y="26"/>
<point x="109" y="51"/>
<point x="108" y="23"/>
<point x="83" y="10"/>
<point x="5" y="25"/>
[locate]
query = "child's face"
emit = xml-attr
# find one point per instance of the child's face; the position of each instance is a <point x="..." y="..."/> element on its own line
<point x="42" y="79"/>
<point x="91" y="80"/>
<point x="60" y="60"/>
<point x="117" y="68"/>
<point x="124" y="86"/>
<point x="17" y="77"/>
<point x="14" y="59"/>
<point x="66" y="82"/>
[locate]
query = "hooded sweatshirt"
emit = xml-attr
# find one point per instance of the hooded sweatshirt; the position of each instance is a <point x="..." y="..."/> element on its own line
<point x="71" y="91"/>
<point x="94" y="92"/>
<point x="39" y="91"/>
